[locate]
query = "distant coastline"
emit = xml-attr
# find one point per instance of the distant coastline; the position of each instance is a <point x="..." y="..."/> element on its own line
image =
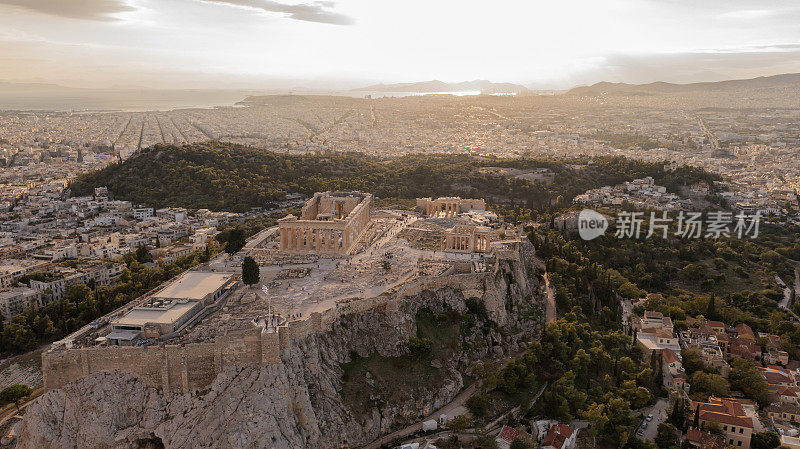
<point x="128" y="100"/>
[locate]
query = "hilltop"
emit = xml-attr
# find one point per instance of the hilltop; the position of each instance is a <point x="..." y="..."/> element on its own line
<point x="790" y="80"/>
<point x="222" y="176"/>
<point x="483" y="86"/>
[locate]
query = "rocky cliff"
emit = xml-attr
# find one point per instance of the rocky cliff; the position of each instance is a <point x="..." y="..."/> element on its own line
<point x="307" y="400"/>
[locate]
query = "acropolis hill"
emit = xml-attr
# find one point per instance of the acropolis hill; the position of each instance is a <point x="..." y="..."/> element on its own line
<point x="205" y="361"/>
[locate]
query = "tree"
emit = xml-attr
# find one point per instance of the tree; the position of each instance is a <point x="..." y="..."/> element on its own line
<point x="43" y="326"/>
<point x="667" y="436"/>
<point x="678" y="415"/>
<point x="692" y="360"/>
<point x="250" y="271"/>
<point x="236" y="241"/>
<point x="143" y="255"/>
<point x="419" y="347"/>
<point x="612" y="421"/>
<point x="519" y="443"/>
<point x="459" y="423"/>
<point x="709" y="384"/>
<point x="714" y="427"/>
<point x="77" y="293"/>
<point x="711" y="310"/>
<point x="15" y="393"/>
<point x="765" y="440"/>
<point x="563" y="399"/>
<point x="746" y="378"/>
<point x="486" y="441"/>
<point x="478" y="405"/>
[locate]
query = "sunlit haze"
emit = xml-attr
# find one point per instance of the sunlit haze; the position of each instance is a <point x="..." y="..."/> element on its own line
<point x="347" y="43"/>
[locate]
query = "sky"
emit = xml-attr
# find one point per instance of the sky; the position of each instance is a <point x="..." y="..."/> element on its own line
<point x="352" y="43"/>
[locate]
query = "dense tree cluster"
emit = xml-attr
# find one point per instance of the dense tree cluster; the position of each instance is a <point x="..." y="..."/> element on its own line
<point x="579" y="280"/>
<point x="82" y="304"/>
<point x="729" y="279"/>
<point x="223" y="176"/>
<point x="702" y="264"/>
<point x="591" y="374"/>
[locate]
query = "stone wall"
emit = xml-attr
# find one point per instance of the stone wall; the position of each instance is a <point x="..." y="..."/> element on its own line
<point x="294" y="403"/>
<point x="180" y="368"/>
<point x="194" y="366"/>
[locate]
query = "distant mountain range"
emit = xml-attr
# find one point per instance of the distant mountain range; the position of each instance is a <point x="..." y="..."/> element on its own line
<point x="483" y="86"/>
<point x="6" y="86"/>
<point x="763" y="82"/>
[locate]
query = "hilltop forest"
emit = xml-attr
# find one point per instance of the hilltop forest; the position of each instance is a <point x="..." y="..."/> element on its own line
<point x="222" y="176"/>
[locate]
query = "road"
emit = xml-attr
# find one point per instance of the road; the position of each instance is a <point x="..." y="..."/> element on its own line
<point x="659" y="412"/>
<point x="787" y="295"/>
<point x="550" y="305"/>
<point x="787" y="292"/>
<point x="454" y="408"/>
<point x="797" y="282"/>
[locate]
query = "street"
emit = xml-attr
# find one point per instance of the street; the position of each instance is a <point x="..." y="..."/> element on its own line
<point x="659" y="412"/>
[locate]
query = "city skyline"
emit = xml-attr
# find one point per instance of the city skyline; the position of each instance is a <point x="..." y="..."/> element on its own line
<point x="346" y="44"/>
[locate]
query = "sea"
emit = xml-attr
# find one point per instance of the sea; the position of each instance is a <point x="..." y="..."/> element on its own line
<point x="131" y="100"/>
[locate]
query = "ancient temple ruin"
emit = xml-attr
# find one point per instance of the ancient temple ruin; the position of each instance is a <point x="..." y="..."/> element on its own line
<point x="330" y="223"/>
<point x="449" y="206"/>
<point x="468" y="239"/>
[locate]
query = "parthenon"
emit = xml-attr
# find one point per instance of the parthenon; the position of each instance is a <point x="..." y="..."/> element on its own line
<point x="449" y="206"/>
<point x="329" y="223"/>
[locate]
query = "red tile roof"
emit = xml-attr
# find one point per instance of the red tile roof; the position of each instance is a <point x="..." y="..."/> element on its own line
<point x="508" y="434"/>
<point x="705" y="440"/>
<point x="744" y="330"/>
<point x="775" y="376"/>
<point x="557" y="435"/>
<point x="725" y="411"/>
<point x="669" y="356"/>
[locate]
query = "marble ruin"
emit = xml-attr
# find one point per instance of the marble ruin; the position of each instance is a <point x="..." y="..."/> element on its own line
<point x="330" y="223"/>
<point x="449" y="206"/>
<point x="340" y="256"/>
<point x="468" y="239"/>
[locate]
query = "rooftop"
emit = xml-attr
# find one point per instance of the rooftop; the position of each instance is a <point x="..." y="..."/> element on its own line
<point x="161" y="312"/>
<point x="728" y="411"/>
<point x="194" y="285"/>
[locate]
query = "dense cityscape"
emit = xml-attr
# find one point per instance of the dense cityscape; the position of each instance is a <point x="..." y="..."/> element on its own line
<point x="351" y="225"/>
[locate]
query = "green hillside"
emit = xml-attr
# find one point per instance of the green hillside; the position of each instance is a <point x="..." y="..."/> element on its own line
<point x="221" y="176"/>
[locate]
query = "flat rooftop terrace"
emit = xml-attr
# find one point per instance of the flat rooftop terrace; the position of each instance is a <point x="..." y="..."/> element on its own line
<point x="167" y="313"/>
<point x="194" y="285"/>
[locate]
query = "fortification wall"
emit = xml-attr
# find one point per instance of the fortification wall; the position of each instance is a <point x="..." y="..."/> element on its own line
<point x="194" y="366"/>
<point x="181" y="368"/>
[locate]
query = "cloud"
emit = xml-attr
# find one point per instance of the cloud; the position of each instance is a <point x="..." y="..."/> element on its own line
<point x="101" y="10"/>
<point x="318" y="11"/>
<point x="747" y="14"/>
<point x="692" y="67"/>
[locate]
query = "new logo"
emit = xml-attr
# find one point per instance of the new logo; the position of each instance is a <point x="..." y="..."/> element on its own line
<point x="591" y="224"/>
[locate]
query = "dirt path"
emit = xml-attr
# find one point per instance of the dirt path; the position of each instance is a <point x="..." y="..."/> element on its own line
<point x="550" y="305"/>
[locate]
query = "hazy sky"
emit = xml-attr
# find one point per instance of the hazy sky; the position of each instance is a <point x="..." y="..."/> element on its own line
<point x="346" y="43"/>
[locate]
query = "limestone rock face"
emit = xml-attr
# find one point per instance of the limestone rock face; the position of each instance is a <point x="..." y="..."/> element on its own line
<point x="293" y="404"/>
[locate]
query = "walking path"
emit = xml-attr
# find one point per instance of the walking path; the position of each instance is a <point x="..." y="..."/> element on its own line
<point x="454" y="408"/>
<point x="550" y="305"/>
